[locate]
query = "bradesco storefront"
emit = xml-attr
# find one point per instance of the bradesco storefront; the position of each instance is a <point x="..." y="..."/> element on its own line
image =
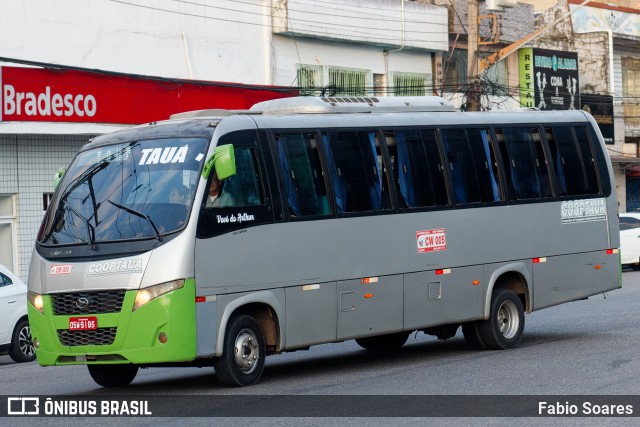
<point x="46" y="115"/>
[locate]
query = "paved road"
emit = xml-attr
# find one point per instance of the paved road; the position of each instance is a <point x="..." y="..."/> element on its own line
<point x="586" y="347"/>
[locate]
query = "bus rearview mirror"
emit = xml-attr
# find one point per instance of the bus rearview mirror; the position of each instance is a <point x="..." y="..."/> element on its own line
<point x="223" y="161"/>
<point x="58" y="177"/>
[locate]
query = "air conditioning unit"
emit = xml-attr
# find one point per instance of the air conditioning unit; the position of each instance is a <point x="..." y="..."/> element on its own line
<point x="500" y="5"/>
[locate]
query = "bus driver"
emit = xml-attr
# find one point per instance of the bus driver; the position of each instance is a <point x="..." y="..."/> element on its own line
<point x="217" y="197"/>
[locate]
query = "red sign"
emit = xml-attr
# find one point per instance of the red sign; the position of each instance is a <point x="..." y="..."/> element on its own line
<point x="431" y="240"/>
<point x="42" y="95"/>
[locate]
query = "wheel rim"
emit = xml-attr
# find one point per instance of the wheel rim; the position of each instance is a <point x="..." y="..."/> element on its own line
<point x="247" y="351"/>
<point x="25" y="343"/>
<point x="508" y="319"/>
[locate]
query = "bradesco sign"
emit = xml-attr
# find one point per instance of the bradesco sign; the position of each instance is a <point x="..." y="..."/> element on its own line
<point x="42" y="95"/>
<point x="44" y="104"/>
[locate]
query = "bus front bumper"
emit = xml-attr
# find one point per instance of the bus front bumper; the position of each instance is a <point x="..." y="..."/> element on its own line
<point x="162" y="330"/>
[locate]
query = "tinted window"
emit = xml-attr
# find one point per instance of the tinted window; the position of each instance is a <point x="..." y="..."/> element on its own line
<point x="417" y="168"/>
<point x="241" y="200"/>
<point x="587" y="158"/>
<point x="524" y="163"/>
<point x="627" y="223"/>
<point x="245" y="186"/>
<point x="4" y="280"/>
<point x="575" y="171"/>
<point x="355" y="164"/>
<point x="472" y="166"/>
<point x="126" y="191"/>
<point x="302" y="175"/>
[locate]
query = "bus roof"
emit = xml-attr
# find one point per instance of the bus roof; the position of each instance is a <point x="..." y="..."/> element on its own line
<point x="323" y="105"/>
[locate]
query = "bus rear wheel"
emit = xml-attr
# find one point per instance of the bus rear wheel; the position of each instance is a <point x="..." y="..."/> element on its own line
<point x="503" y="329"/>
<point x="244" y="353"/>
<point x="472" y="335"/>
<point x="113" y="375"/>
<point x="384" y="342"/>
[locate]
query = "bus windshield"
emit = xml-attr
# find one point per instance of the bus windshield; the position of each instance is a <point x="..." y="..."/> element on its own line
<point x="137" y="190"/>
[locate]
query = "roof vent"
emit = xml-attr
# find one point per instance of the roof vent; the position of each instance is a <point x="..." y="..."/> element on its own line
<point x="318" y="105"/>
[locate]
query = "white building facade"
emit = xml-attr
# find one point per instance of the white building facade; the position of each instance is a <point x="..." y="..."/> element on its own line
<point x="342" y="47"/>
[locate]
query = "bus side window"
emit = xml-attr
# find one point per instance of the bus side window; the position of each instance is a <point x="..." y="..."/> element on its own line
<point x="355" y="163"/>
<point x="486" y="164"/>
<point x="245" y="186"/>
<point x="567" y="161"/>
<point x="417" y="168"/>
<point x="601" y="162"/>
<point x="588" y="159"/>
<point x="524" y="163"/>
<point x="464" y="184"/>
<point x="303" y="180"/>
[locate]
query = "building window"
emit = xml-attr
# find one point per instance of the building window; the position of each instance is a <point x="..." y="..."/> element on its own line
<point x="631" y="90"/>
<point x="411" y="84"/>
<point x="455" y="65"/>
<point x="349" y="81"/>
<point x="309" y="78"/>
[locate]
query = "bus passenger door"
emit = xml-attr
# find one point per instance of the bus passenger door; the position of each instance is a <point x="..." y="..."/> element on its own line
<point x="370" y="306"/>
<point x="442" y="296"/>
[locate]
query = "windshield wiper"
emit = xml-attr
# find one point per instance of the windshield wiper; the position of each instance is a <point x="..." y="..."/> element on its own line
<point x="140" y="214"/>
<point x="91" y="232"/>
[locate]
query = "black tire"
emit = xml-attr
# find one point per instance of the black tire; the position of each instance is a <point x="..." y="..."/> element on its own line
<point x="113" y="375"/>
<point x="21" y="348"/>
<point x="635" y="266"/>
<point x="503" y="329"/>
<point x="472" y="335"/>
<point x="244" y="353"/>
<point x="384" y="342"/>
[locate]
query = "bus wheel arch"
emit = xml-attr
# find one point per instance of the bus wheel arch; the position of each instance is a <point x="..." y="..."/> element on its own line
<point x="265" y="308"/>
<point x="514" y="277"/>
<point x="268" y="321"/>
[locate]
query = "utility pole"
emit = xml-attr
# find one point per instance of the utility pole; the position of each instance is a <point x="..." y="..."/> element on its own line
<point x="473" y="102"/>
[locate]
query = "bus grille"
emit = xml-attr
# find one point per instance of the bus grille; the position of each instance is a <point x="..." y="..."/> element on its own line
<point x="88" y="302"/>
<point x="100" y="336"/>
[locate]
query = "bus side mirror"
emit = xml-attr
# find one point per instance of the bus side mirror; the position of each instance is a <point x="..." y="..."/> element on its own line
<point x="223" y="161"/>
<point x="58" y="177"/>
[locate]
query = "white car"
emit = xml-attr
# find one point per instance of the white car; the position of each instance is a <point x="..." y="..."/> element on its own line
<point x="630" y="239"/>
<point x="15" y="334"/>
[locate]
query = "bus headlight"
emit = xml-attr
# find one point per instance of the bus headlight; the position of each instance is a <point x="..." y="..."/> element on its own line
<point x="36" y="301"/>
<point x="147" y="294"/>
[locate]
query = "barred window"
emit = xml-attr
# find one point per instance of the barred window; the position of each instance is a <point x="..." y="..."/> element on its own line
<point x="349" y="81"/>
<point x="411" y="84"/>
<point x="309" y="78"/>
<point x="631" y="90"/>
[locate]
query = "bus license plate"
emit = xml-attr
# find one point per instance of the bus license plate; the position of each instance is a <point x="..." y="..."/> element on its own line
<point x="83" y="323"/>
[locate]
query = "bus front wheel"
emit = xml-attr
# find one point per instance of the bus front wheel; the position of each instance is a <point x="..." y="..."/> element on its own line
<point x="113" y="375"/>
<point x="244" y="355"/>
<point x="503" y="329"/>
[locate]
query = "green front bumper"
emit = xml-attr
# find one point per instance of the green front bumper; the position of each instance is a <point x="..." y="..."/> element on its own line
<point x="136" y="337"/>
